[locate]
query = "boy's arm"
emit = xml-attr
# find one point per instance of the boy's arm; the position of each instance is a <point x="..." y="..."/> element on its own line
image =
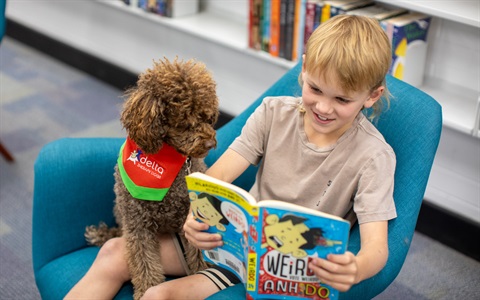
<point x="228" y="167"/>
<point x="373" y="253"/>
<point x="343" y="271"/>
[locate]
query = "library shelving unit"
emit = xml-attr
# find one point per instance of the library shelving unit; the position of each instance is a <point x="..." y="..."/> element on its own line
<point x="131" y="38"/>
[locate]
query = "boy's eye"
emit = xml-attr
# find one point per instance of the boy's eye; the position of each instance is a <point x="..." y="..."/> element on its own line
<point x="316" y="90"/>
<point x="343" y="100"/>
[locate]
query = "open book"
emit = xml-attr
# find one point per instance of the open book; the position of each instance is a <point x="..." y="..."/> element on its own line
<point x="268" y="244"/>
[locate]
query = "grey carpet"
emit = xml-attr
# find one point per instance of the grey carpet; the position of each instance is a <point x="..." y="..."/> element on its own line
<point x="42" y="100"/>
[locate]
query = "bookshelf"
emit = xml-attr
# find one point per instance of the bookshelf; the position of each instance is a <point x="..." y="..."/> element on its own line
<point x="131" y="38"/>
<point x="455" y="23"/>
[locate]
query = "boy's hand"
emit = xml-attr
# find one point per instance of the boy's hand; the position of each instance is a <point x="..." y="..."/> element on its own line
<point x="338" y="270"/>
<point x="194" y="232"/>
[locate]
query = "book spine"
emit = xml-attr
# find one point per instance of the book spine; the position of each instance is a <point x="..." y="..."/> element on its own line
<point x="250" y="24"/>
<point x="296" y="33"/>
<point x="142" y="4"/>
<point x="161" y="8"/>
<point x="258" y="24"/>
<point x="318" y="15"/>
<point x="309" y="21"/>
<point x="256" y="11"/>
<point x="298" y="45"/>
<point x="266" y="25"/>
<point x="325" y="13"/>
<point x="283" y="28"/>
<point x="289" y="29"/>
<point x="169" y="8"/>
<point x="275" y="28"/>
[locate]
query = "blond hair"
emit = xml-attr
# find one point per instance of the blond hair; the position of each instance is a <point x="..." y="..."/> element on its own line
<point x="355" y="49"/>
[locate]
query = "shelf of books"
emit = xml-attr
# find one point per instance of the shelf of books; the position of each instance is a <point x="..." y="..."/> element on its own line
<point x="281" y="28"/>
<point x="249" y="36"/>
<point x="207" y="25"/>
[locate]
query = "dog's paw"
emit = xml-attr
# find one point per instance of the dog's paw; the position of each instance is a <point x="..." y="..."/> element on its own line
<point x="98" y="235"/>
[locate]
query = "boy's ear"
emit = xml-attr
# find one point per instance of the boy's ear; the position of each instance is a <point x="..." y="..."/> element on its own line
<point x="374" y="97"/>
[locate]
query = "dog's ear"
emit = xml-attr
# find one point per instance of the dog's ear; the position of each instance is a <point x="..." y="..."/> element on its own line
<point x="142" y="117"/>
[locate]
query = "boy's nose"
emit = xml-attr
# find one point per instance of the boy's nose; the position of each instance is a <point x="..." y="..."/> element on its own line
<point x="324" y="106"/>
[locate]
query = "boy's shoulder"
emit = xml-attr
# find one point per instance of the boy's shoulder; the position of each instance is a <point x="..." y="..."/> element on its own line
<point x="369" y="137"/>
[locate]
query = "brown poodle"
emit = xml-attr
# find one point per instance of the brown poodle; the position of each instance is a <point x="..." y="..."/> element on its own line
<point x="173" y="108"/>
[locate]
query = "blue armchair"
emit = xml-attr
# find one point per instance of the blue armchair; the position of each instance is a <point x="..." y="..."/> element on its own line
<point x="74" y="188"/>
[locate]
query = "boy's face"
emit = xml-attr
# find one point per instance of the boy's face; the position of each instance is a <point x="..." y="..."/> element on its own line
<point x="330" y="111"/>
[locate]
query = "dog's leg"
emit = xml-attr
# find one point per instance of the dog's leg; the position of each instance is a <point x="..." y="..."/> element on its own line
<point x="143" y="256"/>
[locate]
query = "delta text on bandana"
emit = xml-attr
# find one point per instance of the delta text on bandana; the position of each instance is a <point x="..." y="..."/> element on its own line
<point x="149" y="177"/>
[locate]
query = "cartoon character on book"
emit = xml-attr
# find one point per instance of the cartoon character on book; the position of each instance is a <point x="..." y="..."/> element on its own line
<point x="290" y="235"/>
<point x="206" y="208"/>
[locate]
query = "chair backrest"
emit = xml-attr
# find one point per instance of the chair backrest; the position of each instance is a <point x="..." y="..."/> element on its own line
<point x="412" y="126"/>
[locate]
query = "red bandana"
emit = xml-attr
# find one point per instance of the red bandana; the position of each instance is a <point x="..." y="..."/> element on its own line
<point x="148" y="177"/>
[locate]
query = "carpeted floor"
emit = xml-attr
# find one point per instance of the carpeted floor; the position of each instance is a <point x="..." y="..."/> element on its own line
<point x="42" y="100"/>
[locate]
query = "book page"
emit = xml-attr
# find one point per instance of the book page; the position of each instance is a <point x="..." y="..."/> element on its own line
<point x="282" y="243"/>
<point x="227" y="210"/>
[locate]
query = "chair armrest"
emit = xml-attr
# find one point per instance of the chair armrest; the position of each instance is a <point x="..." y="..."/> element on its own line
<point x="73" y="189"/>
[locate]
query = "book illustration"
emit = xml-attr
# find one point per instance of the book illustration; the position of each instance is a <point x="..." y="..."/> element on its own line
<point x="408" y="34"/>
<point x="284" y="258"/>
<point x="300" y="236"/>
<point x="268" y="244"/>
<point x="206" y="208"/>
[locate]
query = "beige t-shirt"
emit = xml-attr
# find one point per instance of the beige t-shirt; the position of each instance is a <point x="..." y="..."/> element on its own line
<point x="351" y="179"/>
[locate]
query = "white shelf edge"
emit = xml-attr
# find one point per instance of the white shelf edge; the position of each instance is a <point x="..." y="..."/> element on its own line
<point x="465" y="12"/>
<point x="459" y="105"/>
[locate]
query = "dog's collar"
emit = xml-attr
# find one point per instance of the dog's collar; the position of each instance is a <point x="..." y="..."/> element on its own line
<point x="149" y="177"/>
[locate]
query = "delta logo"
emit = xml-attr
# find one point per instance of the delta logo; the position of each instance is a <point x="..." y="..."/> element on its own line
<point x="147" y="165"/>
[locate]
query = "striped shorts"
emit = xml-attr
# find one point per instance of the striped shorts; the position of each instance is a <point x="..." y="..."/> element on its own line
<point x="221" y="277"/>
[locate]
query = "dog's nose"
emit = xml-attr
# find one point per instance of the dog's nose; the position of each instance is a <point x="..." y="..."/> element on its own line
<point x="210" y="144"/>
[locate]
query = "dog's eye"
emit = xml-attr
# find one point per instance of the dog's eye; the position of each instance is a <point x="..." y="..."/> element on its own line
<point x="212" y="119"/>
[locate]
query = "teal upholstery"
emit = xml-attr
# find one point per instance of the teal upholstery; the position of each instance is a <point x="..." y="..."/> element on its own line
<point x="3" y="21"/>
<point x="74" y="188"/>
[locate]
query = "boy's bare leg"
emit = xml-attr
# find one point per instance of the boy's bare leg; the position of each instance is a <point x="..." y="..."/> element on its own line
<point x="109" y="271"/>
<point x="195" y="286"/>
<point x="106" y="275"/>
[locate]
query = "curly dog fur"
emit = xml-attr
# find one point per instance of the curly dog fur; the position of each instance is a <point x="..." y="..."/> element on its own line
<point x="173" y="103"/>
